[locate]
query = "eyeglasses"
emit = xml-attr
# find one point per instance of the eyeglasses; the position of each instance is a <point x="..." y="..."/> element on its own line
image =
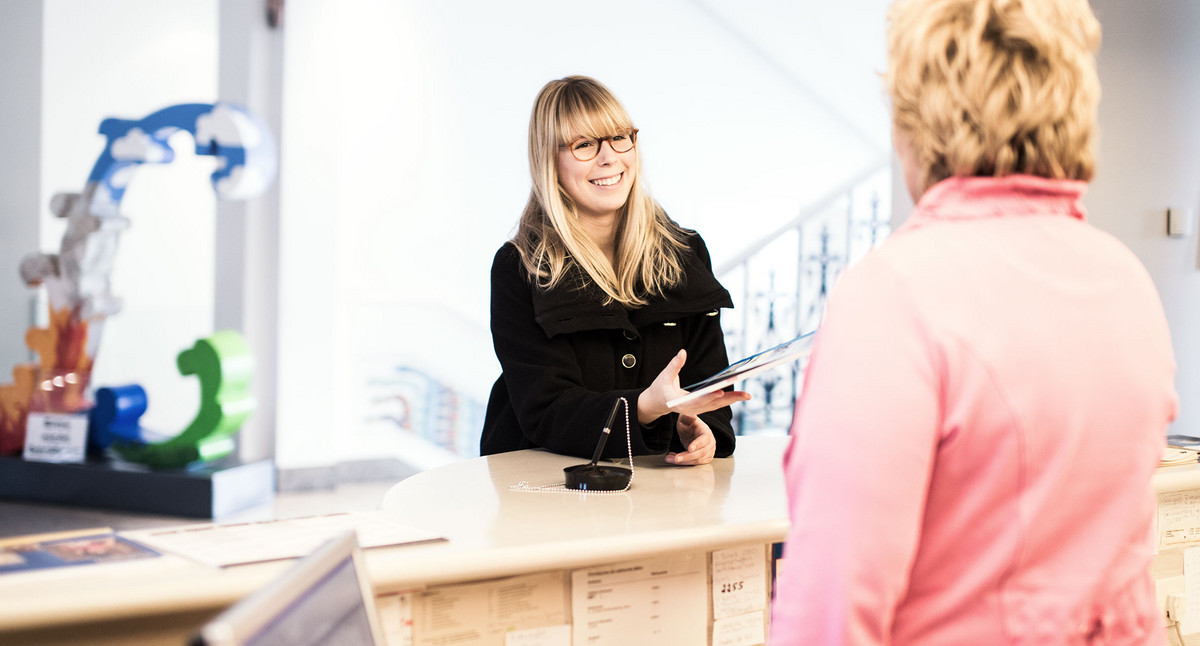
<point x="587" y="149"/>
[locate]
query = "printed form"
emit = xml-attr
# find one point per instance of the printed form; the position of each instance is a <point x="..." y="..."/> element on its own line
<point x="663" y="598"/>
<point x="487" y="613"/>
<point x="1178" y="518"/>
<point x="739" y="595"/>
<point x="1191" y="577"/>
<point x="395" y="618"/>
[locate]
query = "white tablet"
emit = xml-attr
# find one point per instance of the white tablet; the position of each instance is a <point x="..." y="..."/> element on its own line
<point x="324" y="598"/>
<point x="785" y="352"/>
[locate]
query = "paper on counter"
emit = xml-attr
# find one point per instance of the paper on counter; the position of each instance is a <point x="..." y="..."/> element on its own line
<point x="661" y="600"/>
<point x="1190" y="622"/>
<point x="739" y="580"/>
<point x="544" y="636"/>
<point x="395" y="618"/>
<point x="222" y="545"/>
<point x="69" y="550"/>
<point x="742" y="630"/>
<point x="1178" y="518"/>
<point x="484" y="613"/>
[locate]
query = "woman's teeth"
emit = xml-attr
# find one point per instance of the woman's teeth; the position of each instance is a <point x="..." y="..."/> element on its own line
<point x="607" y="181"/>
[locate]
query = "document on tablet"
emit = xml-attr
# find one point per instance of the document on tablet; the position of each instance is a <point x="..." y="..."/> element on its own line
<point x="785" y="352"/>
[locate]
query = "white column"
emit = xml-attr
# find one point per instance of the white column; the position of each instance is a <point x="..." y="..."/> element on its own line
<point x="20" y="170"/>
<point x="247" y="243"/>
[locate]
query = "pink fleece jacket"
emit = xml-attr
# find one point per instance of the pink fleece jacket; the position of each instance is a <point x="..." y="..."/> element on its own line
<point x="982" y="415"/>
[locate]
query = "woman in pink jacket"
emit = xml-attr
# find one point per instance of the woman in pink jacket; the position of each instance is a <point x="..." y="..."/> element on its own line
<point x="987" y="399"/>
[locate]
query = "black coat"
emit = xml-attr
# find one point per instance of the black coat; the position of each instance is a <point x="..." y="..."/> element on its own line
<point x="562" y="356"/>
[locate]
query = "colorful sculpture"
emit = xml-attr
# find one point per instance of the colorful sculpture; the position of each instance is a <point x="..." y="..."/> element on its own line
<point x="223" y="365"/>
<point x="77" y="277"/>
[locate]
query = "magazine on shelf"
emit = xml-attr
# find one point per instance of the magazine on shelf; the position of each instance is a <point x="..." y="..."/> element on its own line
<point x="781" y="354"/>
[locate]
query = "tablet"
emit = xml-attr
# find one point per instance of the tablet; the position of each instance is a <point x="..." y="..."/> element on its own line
<point x="324" y="598"/>
<point x="785" y="352"/>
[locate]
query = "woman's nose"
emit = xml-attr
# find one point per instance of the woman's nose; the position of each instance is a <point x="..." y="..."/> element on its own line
<point x="606" y="154"/>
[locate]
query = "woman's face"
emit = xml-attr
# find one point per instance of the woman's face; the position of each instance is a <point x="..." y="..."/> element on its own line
<point x="600" y="186"/>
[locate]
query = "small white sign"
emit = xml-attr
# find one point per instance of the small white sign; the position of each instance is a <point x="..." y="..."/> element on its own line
<point x="739" y="580"/>
<point x="1191" y="588"/>
<point x="543" y="636"/>
<point x="741" y="630"/>
<point x="56" y="437"/>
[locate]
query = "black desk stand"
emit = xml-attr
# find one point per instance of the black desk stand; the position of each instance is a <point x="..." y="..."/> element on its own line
<point x="209" y="491"/>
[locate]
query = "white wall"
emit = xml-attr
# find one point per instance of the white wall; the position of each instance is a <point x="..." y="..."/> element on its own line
<point x="1149" y="159"/>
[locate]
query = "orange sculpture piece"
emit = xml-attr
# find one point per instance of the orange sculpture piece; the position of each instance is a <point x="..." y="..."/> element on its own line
<point x="14" y="408"/>
<point x="57" y="382"/>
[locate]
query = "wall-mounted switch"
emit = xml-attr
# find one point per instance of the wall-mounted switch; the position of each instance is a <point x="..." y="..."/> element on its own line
<point x="1179" y="221"/>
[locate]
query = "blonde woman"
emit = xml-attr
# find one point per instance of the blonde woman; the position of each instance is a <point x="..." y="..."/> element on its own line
<point x="600" y="296"/>
<point x="988" y="395"/>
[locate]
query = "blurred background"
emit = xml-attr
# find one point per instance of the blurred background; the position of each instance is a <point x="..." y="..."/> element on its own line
<point x="361" y="279"/>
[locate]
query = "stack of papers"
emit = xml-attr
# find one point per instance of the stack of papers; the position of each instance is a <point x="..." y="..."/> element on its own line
<point x="1175" y="456"/>
<point x="222" y="545"/>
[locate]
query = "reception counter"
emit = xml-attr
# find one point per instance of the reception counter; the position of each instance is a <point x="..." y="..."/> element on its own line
<point x="496" y="529"/>
<point x="508" y="546"/>
<point x="550" y="566"/>
<point x="1178" y="543"/>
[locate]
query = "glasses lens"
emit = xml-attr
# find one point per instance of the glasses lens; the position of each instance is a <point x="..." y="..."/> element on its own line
<point x="623" y="142"/>
<point x="585" y="149"/>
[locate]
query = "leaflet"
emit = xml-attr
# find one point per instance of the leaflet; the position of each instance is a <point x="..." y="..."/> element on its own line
<point x="663" y="600"/>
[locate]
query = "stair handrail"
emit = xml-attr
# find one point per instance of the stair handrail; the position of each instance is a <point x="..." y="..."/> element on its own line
<point x="813" y="209"/>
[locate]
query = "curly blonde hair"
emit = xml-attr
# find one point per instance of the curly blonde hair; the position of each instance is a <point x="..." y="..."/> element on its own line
<point x="994" y="87"/>
<point x="549" y="236"/>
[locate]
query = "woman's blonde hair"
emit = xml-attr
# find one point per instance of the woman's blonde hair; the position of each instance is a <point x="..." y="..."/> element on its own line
<point x="550" y="237"/>
<point x="994" y="87"/>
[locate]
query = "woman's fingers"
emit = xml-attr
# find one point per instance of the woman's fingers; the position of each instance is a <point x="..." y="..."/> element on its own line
<point x="711" y="401"/>
<point x="694" y="434"/>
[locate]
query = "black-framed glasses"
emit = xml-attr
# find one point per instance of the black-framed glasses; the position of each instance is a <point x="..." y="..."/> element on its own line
<point x="585" y="149"/>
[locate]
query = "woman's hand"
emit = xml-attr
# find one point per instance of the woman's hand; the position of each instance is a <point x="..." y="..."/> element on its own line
<point x="652" y="403"/>
<point x="698" y="439"/>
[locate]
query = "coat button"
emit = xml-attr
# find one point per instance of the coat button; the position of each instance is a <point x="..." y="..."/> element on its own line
<point x="629" y="361"/>
<point x="629" y="335"/>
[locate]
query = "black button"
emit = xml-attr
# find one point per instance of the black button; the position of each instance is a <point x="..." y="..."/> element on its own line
<point x="629" y="361"/>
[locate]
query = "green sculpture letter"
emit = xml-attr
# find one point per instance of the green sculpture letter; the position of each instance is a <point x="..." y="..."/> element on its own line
<point x="224" y="365"/>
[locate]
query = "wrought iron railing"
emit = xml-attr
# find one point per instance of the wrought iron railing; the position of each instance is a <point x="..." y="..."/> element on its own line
<point x="780" y="285"/>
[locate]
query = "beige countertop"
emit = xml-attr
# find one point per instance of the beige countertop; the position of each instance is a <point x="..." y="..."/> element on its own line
<point x="492" y="531"/>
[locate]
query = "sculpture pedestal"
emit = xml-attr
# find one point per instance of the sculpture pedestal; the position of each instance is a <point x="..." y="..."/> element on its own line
<point x="211" y="491"/>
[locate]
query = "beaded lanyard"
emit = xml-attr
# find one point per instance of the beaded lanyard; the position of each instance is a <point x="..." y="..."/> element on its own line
<point x="562" y="486"/>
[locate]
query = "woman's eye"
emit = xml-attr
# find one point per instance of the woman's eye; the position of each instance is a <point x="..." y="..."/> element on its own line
<point x="584" y="144"/>
<point x="619" y="138"/>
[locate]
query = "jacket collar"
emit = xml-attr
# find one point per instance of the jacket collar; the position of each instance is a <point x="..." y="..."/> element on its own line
<point x="575" y="305"/>
<point x="965" y="198"/>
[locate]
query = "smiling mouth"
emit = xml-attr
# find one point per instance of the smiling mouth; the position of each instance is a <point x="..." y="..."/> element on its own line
<point x="607" y="181"/>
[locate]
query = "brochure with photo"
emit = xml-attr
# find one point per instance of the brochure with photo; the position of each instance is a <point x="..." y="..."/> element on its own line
<point x="86" y="547"/>
<point x="781" y="354"/>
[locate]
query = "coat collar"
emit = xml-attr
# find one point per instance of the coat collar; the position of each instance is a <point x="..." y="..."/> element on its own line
<point x="967" y="198"/>
<point x="575" y="305"/>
